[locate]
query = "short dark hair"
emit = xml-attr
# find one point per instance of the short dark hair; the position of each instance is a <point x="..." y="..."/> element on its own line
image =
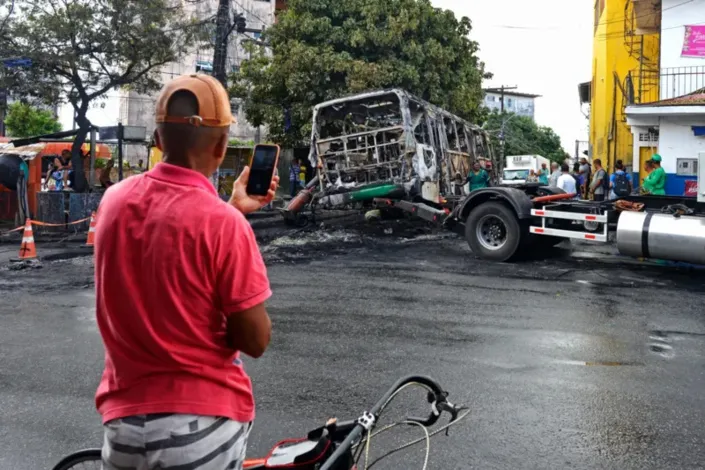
<point x="565" y="168"/>
<point x="597" y="161"/>
<point x="619" y="165"/>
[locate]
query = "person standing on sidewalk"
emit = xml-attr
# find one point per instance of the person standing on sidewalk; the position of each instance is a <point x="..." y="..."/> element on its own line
<point x="620" y="182"/>
<point x="599" y="181"/>
<point x="556" y="173"/>
<point x="567" y="182"/>
<point x="584" y="172"/>
<point x="543" y="175"/>
<point x="180" y="292"/>
<point x="294" y="177"/>
<point x="655" y="183"/>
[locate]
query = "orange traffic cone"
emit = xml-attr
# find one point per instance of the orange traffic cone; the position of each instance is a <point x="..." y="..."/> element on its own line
<point x="28" y="250"/>
<point x="91" y="231"/>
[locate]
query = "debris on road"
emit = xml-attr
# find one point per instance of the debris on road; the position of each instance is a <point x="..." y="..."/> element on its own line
<point x="20" y="264"/>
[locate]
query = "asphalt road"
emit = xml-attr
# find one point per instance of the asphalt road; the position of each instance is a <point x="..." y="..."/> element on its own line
<point x="564" y="363"/>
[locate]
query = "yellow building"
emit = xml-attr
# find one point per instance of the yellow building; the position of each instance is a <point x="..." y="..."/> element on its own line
<point x="625" y="70"/>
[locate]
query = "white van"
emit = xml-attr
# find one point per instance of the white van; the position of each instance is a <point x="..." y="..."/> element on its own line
<point x="518" y="167"/>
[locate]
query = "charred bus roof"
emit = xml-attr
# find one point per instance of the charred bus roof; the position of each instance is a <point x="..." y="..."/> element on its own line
<point x="402" y="95"/>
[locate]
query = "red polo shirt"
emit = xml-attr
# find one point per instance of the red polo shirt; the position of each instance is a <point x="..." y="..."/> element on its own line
<point x="172" y="262"/>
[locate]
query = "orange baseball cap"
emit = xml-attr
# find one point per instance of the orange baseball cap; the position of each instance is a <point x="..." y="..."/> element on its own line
<point x="213" y="101"/>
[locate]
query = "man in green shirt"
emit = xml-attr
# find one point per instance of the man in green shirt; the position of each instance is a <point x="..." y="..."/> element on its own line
<point x="543" y="175"/>
<point x="655" y="183"/>
<point x="478" y="178"/>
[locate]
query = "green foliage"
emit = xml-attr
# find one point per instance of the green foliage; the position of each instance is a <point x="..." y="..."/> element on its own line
<point x="325" y="49"/>
<point x="524" y="137"/>
<point x="24" y="120"/>
<point x="241" y="143"/>
<point x="82" y="49"/>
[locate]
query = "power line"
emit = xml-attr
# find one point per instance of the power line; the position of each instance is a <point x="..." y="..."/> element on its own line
<point x="606" y="23"/>
<point x="528" y="28"/>
<point x="621" y="20"/>
<point x="621" y="33"/>
<point x="636" y="17"/>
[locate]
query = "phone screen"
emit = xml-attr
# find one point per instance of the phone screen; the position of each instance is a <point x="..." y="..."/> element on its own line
<point x="264" y="162"/>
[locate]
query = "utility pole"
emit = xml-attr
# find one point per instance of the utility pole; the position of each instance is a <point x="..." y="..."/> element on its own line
<point x="3" y="110"/>
<point x="502" y="88"/>
<point x="501" y="91"/>
<point x="222" y="32"/>
<point x="120" y="140"/>
<point x="220" y="58"/>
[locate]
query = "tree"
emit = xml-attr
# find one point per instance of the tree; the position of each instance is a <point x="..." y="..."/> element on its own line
<point x="324" y="49"/>
<point x="82" y="49"/>
<point x="522" y="136"/>
<point x="24" y="120"/>
<point x="7" y="7"/>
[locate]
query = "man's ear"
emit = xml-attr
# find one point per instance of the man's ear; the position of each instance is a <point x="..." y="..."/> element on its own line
<point x="158" y="140"/>
<point x="221" y="145"/>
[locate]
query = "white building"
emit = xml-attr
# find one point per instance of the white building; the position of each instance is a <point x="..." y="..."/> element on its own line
<point x="134" y="109"/>
<point x="674" y="126"/>
<point x="522" y="104"/>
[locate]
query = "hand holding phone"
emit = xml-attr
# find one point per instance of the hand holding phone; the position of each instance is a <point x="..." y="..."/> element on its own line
<point x="246" y="202"/>
<point x="262" y="167"/>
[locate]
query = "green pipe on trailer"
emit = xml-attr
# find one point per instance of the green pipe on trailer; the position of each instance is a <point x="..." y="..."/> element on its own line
<point x="387" y="190"/>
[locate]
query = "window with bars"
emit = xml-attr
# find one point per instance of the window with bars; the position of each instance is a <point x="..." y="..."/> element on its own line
<point x="648" y="137"/>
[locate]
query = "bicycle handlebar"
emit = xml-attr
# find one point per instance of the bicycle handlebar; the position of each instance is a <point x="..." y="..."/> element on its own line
<point x="368" y="420"/>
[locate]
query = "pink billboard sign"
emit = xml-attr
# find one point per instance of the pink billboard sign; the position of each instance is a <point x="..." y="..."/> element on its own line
<point x="694" y="43"/>
<point x="691" y="188"/>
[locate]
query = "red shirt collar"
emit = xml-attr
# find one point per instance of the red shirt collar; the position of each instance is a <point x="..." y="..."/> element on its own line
<point x="183" y="176"/>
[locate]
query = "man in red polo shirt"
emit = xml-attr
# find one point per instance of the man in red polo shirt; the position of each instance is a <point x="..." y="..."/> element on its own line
<point x="180" y="287"/>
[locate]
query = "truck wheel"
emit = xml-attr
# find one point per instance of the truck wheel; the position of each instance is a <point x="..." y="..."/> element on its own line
<point x="493" y="231"/>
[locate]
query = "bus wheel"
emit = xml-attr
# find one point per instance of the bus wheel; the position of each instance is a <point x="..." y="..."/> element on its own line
<point x="493" y="231"/>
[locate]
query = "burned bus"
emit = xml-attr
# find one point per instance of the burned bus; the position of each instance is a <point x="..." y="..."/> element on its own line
<point x="390" y="144"/>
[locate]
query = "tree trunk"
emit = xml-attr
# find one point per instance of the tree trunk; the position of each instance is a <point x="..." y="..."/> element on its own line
<point x="84" y="127"/>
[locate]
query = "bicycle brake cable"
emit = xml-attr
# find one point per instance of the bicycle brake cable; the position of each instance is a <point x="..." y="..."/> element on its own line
<point x="412" y="443"/>
<point x="426" y="437"/>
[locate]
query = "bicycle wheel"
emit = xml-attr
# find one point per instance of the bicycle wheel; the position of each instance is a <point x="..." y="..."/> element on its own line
<point x="89" y="459"/>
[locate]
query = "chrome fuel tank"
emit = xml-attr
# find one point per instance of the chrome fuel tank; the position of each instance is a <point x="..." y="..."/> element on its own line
<point x="662" y="236"/>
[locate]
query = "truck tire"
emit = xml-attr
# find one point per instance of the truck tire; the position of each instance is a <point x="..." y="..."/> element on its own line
<point x="493" y="231"/>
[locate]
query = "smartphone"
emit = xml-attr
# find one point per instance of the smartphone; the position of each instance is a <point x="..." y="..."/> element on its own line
<point x="262" y="167"/>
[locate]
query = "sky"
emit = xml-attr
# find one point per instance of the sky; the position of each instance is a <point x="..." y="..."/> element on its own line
<point x="542" y="46"/>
